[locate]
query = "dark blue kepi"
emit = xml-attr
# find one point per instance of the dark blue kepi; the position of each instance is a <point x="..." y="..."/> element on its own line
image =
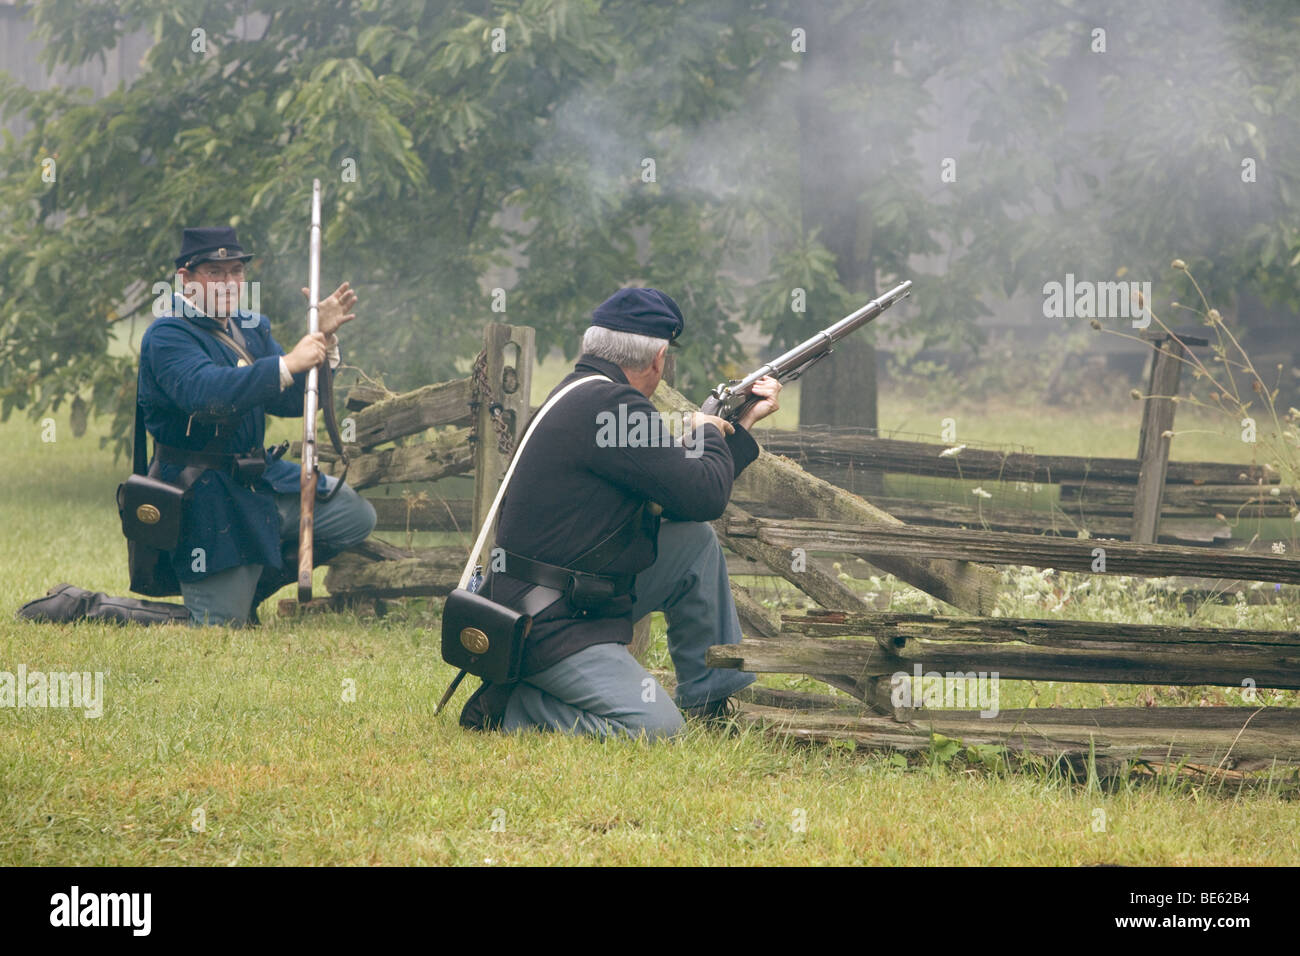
<point x="210" y="244"/>
<point x="641" y="312"/>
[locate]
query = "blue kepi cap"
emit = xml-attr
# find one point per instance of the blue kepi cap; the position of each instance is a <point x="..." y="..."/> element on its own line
<point x="210" y="244"/>
<point x="642" y="312"/>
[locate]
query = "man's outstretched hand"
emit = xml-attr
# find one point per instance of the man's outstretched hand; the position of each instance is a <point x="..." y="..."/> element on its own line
<point x="335" y="310"/>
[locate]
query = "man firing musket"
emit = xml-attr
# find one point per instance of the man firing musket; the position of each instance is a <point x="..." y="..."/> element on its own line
<point x="594" y="535"/>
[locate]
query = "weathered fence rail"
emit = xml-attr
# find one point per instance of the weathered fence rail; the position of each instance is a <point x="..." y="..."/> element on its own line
<point x="896" y="646"/>
<point x="815" y="448"/>
<point x="1001" y="547"/>
<point x="1073" y="651"/>
<point x="1111" y="497"/>
<point x="1107" y="498"/>
<point x="1214" y="740"/>
<point x="1063" y="521"/>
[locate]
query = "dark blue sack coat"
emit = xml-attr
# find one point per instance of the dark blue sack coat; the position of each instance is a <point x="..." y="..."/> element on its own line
<point x="193" y="392"/>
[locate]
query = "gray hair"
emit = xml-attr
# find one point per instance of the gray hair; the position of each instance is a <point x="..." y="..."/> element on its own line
<point x="625" y="349"/>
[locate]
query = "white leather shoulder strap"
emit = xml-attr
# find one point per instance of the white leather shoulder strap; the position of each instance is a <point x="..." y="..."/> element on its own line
<point x="490" y="518"/>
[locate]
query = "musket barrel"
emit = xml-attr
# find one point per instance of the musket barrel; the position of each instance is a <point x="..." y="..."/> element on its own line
<point x="869" y="311"/>
<point x="802" y="352"/>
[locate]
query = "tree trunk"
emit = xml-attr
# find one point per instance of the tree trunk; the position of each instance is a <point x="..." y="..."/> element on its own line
<point x="840" y="390"/>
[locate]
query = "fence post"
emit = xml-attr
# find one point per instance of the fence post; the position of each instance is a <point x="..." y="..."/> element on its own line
<point x="1157" y="418"/>
<point x="509" y="376"/>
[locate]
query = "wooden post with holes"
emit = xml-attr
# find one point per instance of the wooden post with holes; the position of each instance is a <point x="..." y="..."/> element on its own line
<point x="509" y="373"/>
<point x="1157" y="419"/>
<point x="670" y="368"/>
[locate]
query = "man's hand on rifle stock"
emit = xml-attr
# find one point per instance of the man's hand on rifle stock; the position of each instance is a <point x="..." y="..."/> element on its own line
<point x="767" y="389"/>
<point x="335" y="310"/>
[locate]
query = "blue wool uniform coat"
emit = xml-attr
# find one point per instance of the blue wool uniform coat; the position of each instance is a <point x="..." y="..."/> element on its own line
<point x="188" y="380"/>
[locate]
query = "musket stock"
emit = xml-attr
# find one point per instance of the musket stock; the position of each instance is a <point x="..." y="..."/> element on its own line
<point x="311" y="396"/>
<point x="731" y="400"/>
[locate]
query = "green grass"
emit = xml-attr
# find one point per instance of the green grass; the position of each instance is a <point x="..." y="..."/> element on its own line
<point x="251" y="728"/>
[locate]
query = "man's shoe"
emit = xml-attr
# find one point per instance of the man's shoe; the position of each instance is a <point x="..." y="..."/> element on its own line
<point x="65" y="603"/>
<point x="715" y="712"/>
<point x="125" y="610"/>
<point x="486" y="708"/>
<point x="62" y="603"/>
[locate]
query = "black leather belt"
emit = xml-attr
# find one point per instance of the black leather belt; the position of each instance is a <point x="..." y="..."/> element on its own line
<point x="554" y="576"/>
<point x="590" y="595"/>
<point x="170" y="455"/>
<point x="242" y="467"/>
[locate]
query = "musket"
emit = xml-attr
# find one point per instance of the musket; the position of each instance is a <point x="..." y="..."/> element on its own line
<point x="311" y="398"/>
<point x="731" y="400"/>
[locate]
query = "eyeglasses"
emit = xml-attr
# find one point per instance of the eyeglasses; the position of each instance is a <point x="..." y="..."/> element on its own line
<point x="216" y="272"/>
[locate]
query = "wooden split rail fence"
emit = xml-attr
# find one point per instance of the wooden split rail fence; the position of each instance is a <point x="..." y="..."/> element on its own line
<point x="1106" y="497"/>
<point x="1097" y="495"/>
<point x="869" y="656"/>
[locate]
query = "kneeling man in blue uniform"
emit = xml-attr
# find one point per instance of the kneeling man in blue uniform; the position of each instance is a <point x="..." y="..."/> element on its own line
<point x="633" y="513"/>
<point x="209" y="374"/>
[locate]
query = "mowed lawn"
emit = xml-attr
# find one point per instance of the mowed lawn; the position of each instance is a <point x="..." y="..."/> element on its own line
<point x="314" y="742"/>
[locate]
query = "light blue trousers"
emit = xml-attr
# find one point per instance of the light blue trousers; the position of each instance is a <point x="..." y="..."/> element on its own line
<point x="604" y="691"/>
<point x="227" y="596"/>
